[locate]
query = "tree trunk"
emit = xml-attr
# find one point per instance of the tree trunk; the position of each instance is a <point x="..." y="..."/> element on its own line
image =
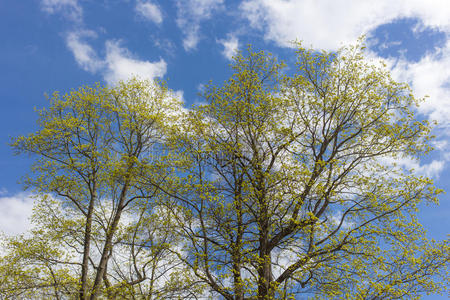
<point x="264" y="266"/>
<point x="101" y="269"/>
<point x="87" y="245"/>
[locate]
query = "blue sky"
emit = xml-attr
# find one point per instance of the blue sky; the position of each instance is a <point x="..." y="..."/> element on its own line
<point x="50" y="45"/>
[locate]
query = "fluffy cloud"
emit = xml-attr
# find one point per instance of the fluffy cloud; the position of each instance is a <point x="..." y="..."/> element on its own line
<point x="327" y="24"/>
<point x="121" y="65"/>
<point x="429" y="76"/>
<point x="230" y="45"/>
<point x="69" y="8"/>
<point x="118" y="64"/>
<point x="15" y="213"/>
<point x="150" y="11"/>
<point x="190" y="13"/>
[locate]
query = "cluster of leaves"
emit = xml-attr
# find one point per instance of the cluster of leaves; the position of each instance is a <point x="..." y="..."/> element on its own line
<point x="278" y="186"/>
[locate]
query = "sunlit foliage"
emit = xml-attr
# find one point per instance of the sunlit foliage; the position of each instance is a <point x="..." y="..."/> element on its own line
<point x="285" y="183"/>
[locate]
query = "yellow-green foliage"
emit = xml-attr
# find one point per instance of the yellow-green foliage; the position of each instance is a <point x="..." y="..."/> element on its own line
<point x="285" y="183"/>
<point x="96" y="232"/>
<point x="291" y="183"/>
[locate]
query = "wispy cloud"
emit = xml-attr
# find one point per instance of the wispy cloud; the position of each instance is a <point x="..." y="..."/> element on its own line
<point x="119" y="63"/>
<point x="190" y="14"/>
<point x="230" y="46"/>
<point x="429" y="169"/>
<point x="68" y="8"/>
<point x="149" y="11"/>
<point x="84" y="54"/>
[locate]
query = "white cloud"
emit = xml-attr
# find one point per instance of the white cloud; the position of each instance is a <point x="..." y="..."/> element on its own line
<point x="149" y="11"/>
<point x="190" y="13"/>
<point x="327" y="24"/>
<point x="121" y="65"/>
<point x="429" y="76"/>
<point x="431" y="170"/>
<point x="118" y="64"/>
<point x="85" y="56"/>
<point x="230" y="45"/>
<point x="69" y="8"/>
<point x="15" y="213"/>
<point x="191" y="39"/>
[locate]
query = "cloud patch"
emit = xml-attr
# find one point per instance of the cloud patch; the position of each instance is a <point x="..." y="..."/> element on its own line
<point x="329" y="24"/>
<point x="190" y="13"/>
<point x="149" y="11"/>
<point x="429" y="76"/>
<point x="119" y="63"/>
<point x="68" y="8"/>
<point x="84" y="54"/>
<point x="15" y="213"/>
<point x="230" y="46"/>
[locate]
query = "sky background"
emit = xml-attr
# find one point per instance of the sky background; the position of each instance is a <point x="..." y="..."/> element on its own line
<point x="57" y="45"/>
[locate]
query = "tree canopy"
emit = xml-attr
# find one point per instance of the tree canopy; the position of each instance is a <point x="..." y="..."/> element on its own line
<point x="96" y="232"/>
<point x="284" y="183"/>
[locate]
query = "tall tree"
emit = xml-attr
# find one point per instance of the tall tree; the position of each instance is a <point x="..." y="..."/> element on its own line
<point x="289" y="183"/>
<point x="96" y="223"/>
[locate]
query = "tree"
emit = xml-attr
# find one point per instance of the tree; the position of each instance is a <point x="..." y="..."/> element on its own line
<point x="97" y="231"/>
<point x="288" y="184"/>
